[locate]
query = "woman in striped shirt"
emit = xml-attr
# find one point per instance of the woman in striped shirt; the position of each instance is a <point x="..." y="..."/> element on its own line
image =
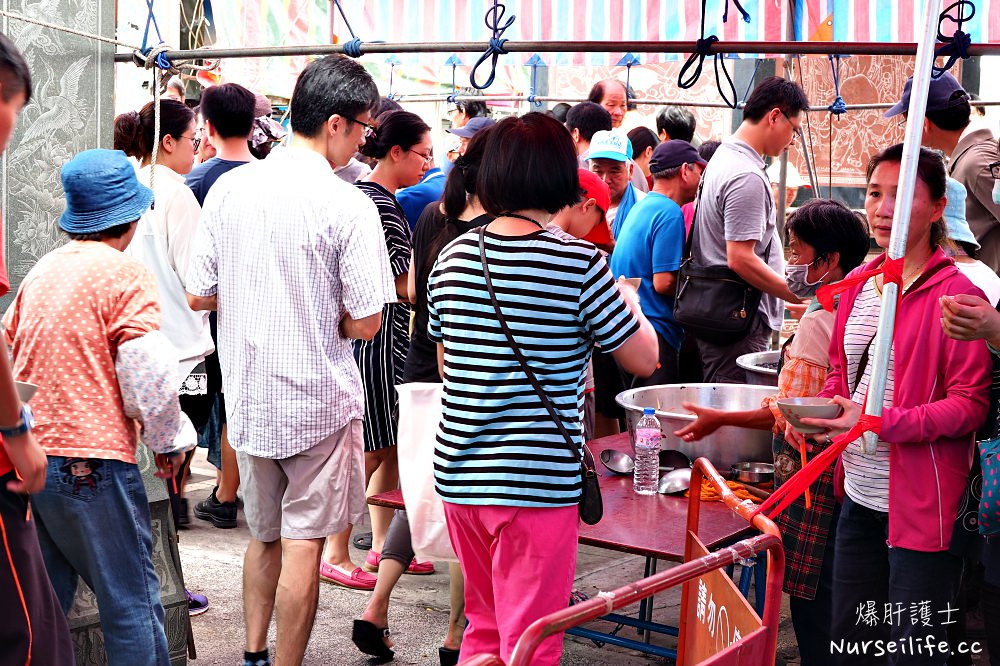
<point x="509" y="480"/>
<point x="895" y="527"/>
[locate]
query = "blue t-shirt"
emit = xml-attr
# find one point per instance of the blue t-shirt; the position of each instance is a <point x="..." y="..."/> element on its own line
<point x="414" y="199"/>
<point x="651" y="241"/>
<point x="497" y="444"/>
<point x="203" y="176"/>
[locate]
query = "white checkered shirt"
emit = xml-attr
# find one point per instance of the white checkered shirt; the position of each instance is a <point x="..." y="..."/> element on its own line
<point x="289" y="248"/>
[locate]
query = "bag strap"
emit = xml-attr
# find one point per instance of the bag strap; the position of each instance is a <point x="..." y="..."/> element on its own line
<point x="520" y="357"/>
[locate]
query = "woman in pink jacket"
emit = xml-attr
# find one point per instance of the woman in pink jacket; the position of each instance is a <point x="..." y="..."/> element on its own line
<point x="895" y="583"/>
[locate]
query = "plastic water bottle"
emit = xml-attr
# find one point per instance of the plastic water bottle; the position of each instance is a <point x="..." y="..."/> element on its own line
<point x="647" y="453"/>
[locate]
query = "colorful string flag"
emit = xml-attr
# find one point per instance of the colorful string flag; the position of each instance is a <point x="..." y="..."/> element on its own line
<point x="455" y="63"/>
<point x="534" y="62"/>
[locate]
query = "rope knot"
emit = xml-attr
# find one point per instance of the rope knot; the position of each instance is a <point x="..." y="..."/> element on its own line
<point x="838" y="106"/>
<point x="703" y="47"/>
<point x="352" y="47"/>
<point x="496" y="48"/>
<point x="956" y="46"/>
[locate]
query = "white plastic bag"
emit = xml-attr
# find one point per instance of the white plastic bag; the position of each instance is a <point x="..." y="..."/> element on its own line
<point x="419" y="415"/>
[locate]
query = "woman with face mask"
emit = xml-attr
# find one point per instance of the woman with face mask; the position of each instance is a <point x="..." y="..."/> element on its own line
<point x="826" y="240"/>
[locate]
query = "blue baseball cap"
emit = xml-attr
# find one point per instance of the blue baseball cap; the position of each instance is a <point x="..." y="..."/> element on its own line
<point x="474" y="125"/>
<point x="102" y="191"/>
<point x="940" y="96"/>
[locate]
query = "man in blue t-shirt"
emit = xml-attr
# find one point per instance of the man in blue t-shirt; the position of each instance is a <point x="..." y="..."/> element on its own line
<point x="650" y="245"/>
<point x="228" y="111"/>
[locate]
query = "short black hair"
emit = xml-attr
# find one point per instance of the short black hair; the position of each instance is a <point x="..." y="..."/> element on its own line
<point x="395" y="128"/>
<point x="384" y="105"/>
<point x="829" y="226"/>
<point x="116" y="231"/>
<point x="560" y="110"/>
<point x="230" y="108"/>
<point x="775" y="92"/>
<point x="596" y="94"/>
<point x="955" y="118"/>
<point x="676" y="122"/>
<point x="530" y="162"/>
<point x="332" y="85"/>
<point x="469" y="108"/>
<point x="930" y="167"/>
<point x="15" y="77"/>
<point x="707" y="149"/>
<point x="589" y="118"/>
<point x="642" y="138"/>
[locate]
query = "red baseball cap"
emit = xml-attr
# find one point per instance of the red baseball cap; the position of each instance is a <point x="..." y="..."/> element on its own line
<point x="595" y="188"/>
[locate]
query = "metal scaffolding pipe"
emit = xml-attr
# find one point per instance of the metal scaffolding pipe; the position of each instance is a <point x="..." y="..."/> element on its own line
<point x="803" y="48"/>
<point x="442" y="97"/>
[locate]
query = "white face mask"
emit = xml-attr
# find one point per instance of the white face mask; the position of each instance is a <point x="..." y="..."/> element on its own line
<point x="796" y="277"/>
<point x="996" y="192"/>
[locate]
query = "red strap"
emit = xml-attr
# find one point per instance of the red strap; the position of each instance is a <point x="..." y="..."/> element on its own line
<point x="795" y="486"/>
<point x="891" y="270"/>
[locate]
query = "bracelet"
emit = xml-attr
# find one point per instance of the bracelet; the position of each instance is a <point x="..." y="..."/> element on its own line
<point x="24" y="425"/>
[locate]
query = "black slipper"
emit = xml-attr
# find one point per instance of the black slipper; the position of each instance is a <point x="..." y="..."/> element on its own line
<point x="362" y="541"/>
<point x="448" y="656"/>
<point x="371" y="640"/>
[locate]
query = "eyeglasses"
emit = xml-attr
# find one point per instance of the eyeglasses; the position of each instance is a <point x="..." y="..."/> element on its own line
<point x="795" y="128"/>
<point x="370" y="130"/>
<point x="995" y="170"/>
<point x="195" y="140"/>
<point x="428" y="158"/>
<point x="901" y="123"/>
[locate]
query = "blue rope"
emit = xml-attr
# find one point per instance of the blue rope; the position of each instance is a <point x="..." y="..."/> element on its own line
<point x="161" y="59"/>
<point x="392" y="68"/>
<point x="346" y="22"/>
<point x="702" y="50"/>
<point x="496" y="45"/>
<point x="352" y="48"/>
<point x="956" y="46"/>
<point x="838" y="106"/>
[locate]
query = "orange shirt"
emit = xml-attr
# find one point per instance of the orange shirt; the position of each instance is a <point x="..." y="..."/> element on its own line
<point x="70" y="314"/>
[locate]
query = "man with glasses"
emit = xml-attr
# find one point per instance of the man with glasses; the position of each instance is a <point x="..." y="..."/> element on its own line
<point x="735" y="222"/>
<point x="970" y="148"/>
<point x="295" y="262"/>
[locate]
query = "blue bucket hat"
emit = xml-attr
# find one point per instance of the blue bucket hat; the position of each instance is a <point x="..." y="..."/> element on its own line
<point x="956" y="225"/>
<point x="102" y="191"/>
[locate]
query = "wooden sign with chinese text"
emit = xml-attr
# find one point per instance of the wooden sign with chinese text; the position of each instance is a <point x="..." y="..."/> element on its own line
<point x="714" y="614"/>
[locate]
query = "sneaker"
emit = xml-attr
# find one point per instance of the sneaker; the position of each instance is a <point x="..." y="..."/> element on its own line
<point x="197" y="603"/>
<point x="220" y="514"/>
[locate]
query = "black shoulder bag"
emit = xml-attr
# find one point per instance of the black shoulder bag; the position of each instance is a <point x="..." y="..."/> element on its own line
<point x="591" y="505"/>
<point x="713" y="303"/>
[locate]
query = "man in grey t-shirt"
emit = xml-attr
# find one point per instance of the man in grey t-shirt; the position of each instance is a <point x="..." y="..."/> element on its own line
<point x="735" y="223"/>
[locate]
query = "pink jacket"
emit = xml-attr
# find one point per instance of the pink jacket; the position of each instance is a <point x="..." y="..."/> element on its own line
<point x="940" y="400"/>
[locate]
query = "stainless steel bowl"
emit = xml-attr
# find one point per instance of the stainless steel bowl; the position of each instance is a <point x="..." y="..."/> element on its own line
<point x="726" y="446"/>
<point x="753" y="472"/>
<point x="761" y="367"/>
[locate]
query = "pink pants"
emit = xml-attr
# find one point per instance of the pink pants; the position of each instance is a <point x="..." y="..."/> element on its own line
<point x="518" y="565"/>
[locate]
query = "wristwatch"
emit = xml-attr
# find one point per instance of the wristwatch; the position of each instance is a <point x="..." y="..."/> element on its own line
<point x="24" y="425"/>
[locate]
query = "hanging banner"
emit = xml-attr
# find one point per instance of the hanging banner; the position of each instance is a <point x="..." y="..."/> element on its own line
<point x="245" y="23"/>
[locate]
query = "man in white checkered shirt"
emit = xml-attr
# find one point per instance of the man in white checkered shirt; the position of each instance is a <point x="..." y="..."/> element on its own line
<point x="294" y="260"/>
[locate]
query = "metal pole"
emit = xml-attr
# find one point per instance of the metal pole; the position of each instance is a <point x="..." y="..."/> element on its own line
<point x="430" y="97"/>
<point x="901" y="217"/>
<point x="803" y="48"/>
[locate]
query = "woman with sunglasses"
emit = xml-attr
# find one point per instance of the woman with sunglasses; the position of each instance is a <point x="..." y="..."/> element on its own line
<point x="401" y="146"/>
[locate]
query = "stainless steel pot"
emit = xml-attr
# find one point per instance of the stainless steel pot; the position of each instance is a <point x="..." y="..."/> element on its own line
<point x="726" y="446"/>
<point x="761" y="367"/>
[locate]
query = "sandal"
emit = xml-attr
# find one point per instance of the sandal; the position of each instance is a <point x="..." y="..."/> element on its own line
<point x="362" y="541"/>
<point x="447" y="656"/>
<point x="371" y="639"/>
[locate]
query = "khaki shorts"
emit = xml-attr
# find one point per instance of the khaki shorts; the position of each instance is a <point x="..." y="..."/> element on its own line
<point x="310" y="495"/>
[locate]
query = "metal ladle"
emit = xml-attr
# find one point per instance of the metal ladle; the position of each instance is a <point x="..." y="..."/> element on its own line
<point x="675" y="481"/>
<point x="618" y="461"/>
